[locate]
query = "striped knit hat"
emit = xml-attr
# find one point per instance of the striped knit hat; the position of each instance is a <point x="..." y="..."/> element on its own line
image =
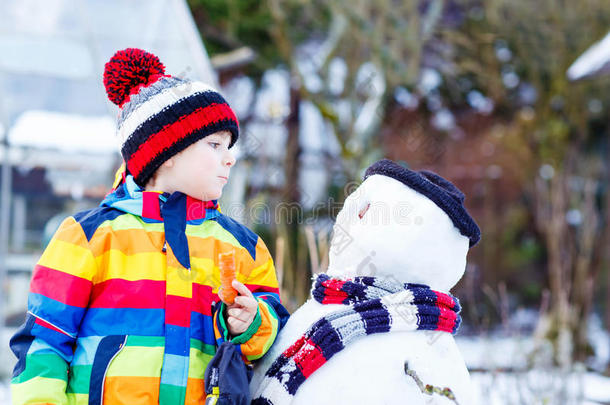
<point x="160" y="115"/>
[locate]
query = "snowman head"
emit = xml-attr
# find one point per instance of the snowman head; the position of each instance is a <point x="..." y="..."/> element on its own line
<point x="403" y="225"/>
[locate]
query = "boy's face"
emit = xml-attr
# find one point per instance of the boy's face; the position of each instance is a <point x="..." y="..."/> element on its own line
<point x="202" y="169"/>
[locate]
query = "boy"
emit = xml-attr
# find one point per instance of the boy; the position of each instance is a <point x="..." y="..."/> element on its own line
<point x="123" y="305"/>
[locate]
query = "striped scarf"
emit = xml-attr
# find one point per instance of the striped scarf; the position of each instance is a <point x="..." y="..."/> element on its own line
<point x="375" y="305"/>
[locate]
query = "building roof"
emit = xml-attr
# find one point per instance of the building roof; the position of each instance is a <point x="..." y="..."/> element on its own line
<point x="53" y="56"/>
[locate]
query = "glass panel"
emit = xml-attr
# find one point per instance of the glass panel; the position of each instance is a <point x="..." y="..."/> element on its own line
<point x="59" y="57"/>
<point x="129" y="20"/>
<point x="30" y="92"/>
<point x="49" y="18"/>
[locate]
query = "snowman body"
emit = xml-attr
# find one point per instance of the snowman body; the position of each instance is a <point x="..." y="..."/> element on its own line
<point x="385" y="230"/>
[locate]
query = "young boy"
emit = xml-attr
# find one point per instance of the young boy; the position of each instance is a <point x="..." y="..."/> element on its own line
<point x="123" y="305"/>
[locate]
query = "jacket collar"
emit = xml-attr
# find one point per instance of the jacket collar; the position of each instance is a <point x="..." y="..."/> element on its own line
<point x="129" y="197"/>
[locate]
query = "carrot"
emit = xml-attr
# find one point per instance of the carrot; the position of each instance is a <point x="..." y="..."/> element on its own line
<point x="226" y="264"/>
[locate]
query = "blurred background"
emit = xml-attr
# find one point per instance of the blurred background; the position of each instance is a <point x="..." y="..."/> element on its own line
<point x="509" y="99"/>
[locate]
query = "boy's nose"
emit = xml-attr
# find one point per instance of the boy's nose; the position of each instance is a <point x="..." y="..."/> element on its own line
<point x="229" y="158"/>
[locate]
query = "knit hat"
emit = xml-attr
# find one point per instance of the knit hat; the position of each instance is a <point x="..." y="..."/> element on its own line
<point x="160" y="115"/>
<point x="442" y="192"/>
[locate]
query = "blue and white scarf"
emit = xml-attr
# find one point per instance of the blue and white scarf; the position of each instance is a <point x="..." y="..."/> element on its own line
<point x="374" y="305"/>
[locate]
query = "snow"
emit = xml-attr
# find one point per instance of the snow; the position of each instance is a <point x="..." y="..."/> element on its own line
<point x="5" y="393"/>
<point x="501" y="375"/>
<point x="600" y="341"/>
<point x="594" y="60"/>
<point x="492" y="387"/>
<point x="492" y="353"/>
<point x="66" y="133"/>
<point x="540" y="387"/>
<point x="7" y="362"/>
<point x="597" y="387"/>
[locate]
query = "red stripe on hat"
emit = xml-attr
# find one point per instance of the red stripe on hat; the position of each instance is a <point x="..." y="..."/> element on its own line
<point x="60" y="286"/>
<point x="175" y="132"/>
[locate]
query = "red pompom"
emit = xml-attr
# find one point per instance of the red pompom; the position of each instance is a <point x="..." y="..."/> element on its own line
<point x="129" y="69"/>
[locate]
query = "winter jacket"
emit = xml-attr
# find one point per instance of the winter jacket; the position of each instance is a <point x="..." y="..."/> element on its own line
<point x="122" y="303"/>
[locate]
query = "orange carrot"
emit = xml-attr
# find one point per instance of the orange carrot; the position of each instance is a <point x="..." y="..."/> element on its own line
<point x="226" y="264"/>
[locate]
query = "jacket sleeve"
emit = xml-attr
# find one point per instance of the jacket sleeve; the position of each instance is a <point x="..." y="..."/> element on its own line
<point x="58" y="296"/>
<point x="260" y="278"/>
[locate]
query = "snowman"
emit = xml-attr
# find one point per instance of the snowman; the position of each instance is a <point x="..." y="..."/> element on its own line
<point x="378" y="328"/>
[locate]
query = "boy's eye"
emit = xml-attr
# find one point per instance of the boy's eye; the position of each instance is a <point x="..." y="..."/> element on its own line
<point x="214" y="144"/>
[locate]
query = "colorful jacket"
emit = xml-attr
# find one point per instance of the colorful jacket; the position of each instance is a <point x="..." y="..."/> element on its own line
<point x="122" y="303"/>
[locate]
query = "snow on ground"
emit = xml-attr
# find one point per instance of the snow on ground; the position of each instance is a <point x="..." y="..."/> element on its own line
<point x="7" y="361"/>
<point x="597" y="388"/>
<point x="501" y="376"/>
<point x="497" y="352"/>
<point x="5" y="393"/>
<point x="498" y="370"/>
<point x="541" y="387"/>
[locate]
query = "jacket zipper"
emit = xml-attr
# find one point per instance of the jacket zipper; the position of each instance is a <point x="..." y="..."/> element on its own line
<point x="108" y="366"/>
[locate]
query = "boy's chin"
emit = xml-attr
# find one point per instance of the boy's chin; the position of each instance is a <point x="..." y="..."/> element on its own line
<point x="205" y="196"/>
<point x="210" y="196"/>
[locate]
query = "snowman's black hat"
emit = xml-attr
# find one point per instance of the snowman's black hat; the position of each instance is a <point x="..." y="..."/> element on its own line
<point x="441" y="191"/>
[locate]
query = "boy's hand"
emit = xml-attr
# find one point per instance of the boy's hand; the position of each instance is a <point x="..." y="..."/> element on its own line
<point x="241" y="313"/>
